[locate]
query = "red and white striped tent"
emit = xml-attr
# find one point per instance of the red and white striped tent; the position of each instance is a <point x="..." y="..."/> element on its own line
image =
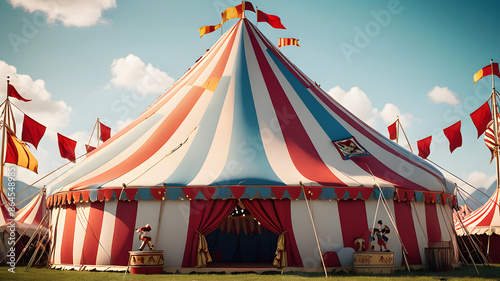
<point x="32" y="216"/>
<point x="485" y="223"/>
<point x="245" y="123"/>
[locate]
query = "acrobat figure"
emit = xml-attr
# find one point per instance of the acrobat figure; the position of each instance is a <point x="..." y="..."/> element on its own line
<point x="145" y="238"/>
<point x="381" y="233"/>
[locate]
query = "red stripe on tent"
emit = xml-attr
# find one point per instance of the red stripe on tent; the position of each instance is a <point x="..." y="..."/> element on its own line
<point x="376" y="166"/>
<point x="161" y="101"/>
<point x="432" y="222"/>
<point x="68" y="235"/>
<point x="406" y="228"/>
<point x="302" y="151"/>
<point x="93" y="233"/>
<point x="351" y="211"/>
<point x="123" y="236"/>
<point x="161" y="135"/>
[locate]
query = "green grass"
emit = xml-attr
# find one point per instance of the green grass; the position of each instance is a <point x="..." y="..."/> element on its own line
<point x="41" y="274"/>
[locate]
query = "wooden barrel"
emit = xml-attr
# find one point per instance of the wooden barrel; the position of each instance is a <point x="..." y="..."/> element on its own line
<point x="373" y="262"/>
<point x="439" y="258"/>
<point x="146" y="262"/>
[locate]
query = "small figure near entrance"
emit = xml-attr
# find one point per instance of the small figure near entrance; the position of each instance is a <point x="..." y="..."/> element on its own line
<point x="380" y="232"/>
<point x="145" y="238"/>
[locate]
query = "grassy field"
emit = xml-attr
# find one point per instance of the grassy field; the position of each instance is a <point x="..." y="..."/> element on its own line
<point x="41" y="274"/>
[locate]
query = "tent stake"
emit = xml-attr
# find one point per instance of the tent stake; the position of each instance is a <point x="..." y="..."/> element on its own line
<point x="314" y="228"/>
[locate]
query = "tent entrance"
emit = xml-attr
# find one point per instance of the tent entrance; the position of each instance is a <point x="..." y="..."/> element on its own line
<point x="241" y="241"/>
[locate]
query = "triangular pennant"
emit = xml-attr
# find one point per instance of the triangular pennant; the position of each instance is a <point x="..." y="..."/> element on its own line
<point x="173" y="193"/>
<point x="237" y="191"/>
<point x="278" y="191"/>
<point x="340" y="191"/>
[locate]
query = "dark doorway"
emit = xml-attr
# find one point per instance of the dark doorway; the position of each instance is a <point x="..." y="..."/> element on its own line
<point x="241" y="239"/>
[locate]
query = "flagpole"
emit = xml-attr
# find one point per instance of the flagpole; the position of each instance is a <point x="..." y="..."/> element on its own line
<point x="495" y="121"/>
<point x="4" y="131"/>
<point x="397" y="129"/>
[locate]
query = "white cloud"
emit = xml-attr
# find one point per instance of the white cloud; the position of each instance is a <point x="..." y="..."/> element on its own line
<point x="121" y="124"/>
<point x="390" y="112"/>
<point x="79" y="13"/>
<point x="50" y="113"/>
<point x="357" y="102"/>
<point x="133" y="74"/>
<point x="479" y="179"/>
<point x="443" y="95"/>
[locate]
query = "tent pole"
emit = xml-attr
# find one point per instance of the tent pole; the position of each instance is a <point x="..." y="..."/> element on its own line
<point x="159" y="221"/>
<point x="465" y="244"/>
<point x="314" y="228"/>
<point x="4" y="133"/>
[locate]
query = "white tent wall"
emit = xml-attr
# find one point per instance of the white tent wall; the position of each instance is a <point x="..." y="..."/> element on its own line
<point x="173" y="229"/>
<point x="418" y="214"/>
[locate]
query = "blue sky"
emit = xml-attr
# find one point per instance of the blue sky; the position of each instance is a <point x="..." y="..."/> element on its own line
<point x="82" y="60"/>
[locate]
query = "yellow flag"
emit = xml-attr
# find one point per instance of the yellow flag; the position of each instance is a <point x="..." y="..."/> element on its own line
<point x="231" y="13"/>
<point x="208" y="29"/>
<point x="18" y="153"/>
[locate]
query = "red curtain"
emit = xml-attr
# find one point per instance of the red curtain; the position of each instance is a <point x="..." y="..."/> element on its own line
<point x="276" y="216"/>
<point x="204" y="217"/>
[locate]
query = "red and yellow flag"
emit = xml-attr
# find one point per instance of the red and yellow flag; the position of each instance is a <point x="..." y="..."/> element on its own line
<point x="18" y="153"/>
<point x="485" y="71"/>
<point x="236" y="11"/>
<point x="208" y="29"/>
<point x="288" y="41"/>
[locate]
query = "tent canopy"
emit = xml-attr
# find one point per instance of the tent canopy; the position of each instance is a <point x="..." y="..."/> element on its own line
<point x="244" y="115"/>
<point x="485" y="220"/>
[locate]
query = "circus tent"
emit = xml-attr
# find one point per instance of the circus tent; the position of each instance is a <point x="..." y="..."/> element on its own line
<point x="245" y="123"/>
<point x="485" y="223"/>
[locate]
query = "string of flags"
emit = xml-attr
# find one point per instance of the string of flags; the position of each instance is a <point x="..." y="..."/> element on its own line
<point x="32" y="132"/>
<point x="481" y="118"/>
<point x="237" y="12"/>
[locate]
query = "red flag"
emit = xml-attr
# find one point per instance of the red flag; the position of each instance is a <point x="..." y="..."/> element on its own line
<point x="424" y="147"/>
<point x="105" y="132"/>
<point x="89" y="148"/>
<point x="393" y="130"/>
<point x="453" y="135"/>
<point x="12" y="92"/>
<point x="32" y="131"/>
<point x="272" y="20"/>
<point x="66" y="147"/>
<point x="481" y="117"/>
<point x="485" y="71"/>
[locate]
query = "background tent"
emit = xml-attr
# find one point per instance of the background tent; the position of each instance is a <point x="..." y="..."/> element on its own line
<point x="245" y="123"/>
<point x="485" y="224"/>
